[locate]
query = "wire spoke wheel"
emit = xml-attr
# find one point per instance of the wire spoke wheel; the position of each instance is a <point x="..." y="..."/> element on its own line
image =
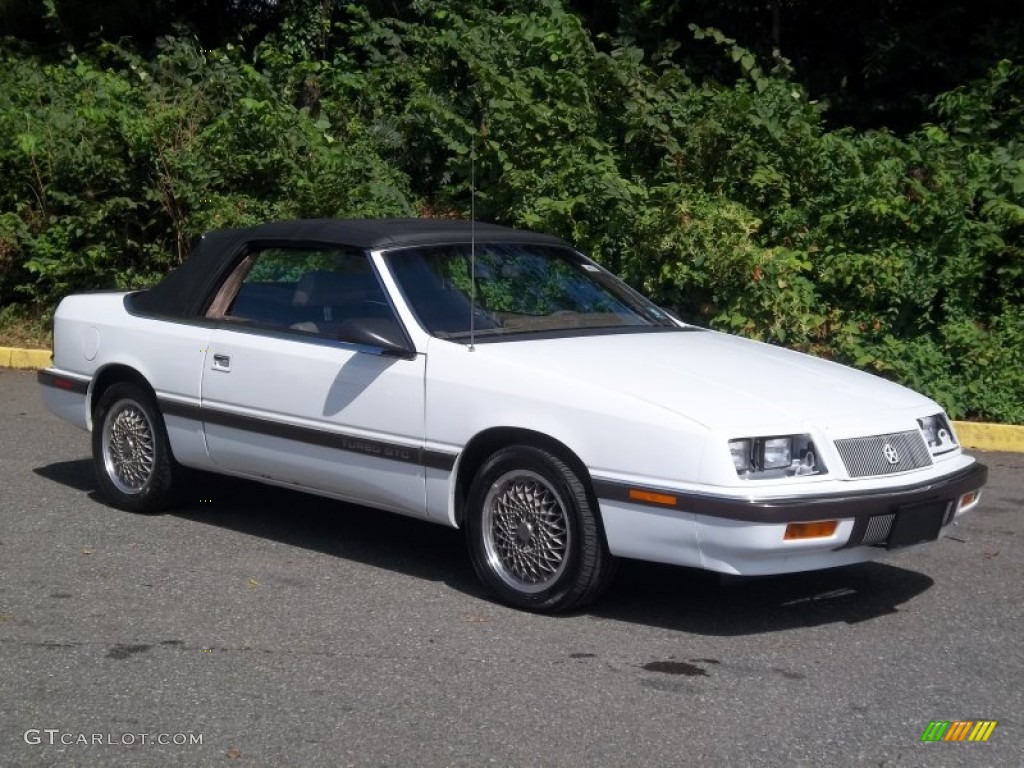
<point x="131" y="451"/>
<point x="526" y="531"/>
<point x="533" y="534"/>
<point x="128" y="441"/>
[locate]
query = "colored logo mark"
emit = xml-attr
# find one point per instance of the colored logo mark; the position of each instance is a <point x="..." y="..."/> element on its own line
<point x="959" y="730"/>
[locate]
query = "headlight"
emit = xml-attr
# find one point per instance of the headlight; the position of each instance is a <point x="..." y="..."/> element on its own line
<point x="740" y="450"/>
<point x="778" y="453"/>
<point x="937" y="434"/>
<point x="766" y="457"/>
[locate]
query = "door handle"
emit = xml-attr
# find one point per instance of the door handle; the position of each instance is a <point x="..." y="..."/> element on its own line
<point x="221" y="363"/>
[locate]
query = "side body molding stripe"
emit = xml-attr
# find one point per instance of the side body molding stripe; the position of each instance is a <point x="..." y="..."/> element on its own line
<point x="312" y="436"/>
<point x="66" y="382"/>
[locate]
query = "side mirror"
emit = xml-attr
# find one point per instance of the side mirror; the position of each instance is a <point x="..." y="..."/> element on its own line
<point x="384" y="334"/>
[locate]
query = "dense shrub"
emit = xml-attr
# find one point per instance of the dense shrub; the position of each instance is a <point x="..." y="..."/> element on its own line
<point x="118" y="164"/>
<point x="730" y="201"/>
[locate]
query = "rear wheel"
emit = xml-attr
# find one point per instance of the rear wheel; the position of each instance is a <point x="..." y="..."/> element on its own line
<point x="131" y="455"/>
<point x="533" y="533"/>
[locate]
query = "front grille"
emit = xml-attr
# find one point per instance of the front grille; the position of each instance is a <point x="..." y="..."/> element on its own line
<point x="866" y="456"/>
<point x="878" y="529"/>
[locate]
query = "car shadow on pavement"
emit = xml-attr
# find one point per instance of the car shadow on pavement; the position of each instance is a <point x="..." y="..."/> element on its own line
<point x="370" y="536"/>
<point x="705" y="603"/>
<point x="670" y="597"/>
<point x="77" y="474"/>
<point x="390" y="541"/>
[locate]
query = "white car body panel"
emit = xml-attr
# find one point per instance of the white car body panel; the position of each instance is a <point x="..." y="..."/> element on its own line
<point x="97" y="333"/>
<point x="491" y="386"/>
<point x="363" y="400"/>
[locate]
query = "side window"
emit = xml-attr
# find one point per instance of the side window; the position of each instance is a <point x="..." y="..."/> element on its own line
<point x="307" y="291"/>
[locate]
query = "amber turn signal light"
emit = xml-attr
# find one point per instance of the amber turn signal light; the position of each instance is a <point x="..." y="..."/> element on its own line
<point x="651" y="497"/>
<point x="819" y="530"/>
<point x="968" y="500"/>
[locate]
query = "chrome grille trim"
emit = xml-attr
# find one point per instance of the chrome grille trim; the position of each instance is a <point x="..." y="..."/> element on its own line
<point x="878" y="529"/>
<point x="865" y="456"/>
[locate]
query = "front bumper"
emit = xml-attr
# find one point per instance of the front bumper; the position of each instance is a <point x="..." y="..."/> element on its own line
<point x="747" y="536"/>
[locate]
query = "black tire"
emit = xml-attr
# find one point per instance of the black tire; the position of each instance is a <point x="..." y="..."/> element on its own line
<point x="131" y="455"/>
<point x="533" y="533"/>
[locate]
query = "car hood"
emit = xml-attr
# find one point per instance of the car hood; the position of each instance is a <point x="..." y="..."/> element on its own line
<point x="714" y="379"/>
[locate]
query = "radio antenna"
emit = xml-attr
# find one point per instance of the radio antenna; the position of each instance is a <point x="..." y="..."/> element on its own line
<point x="472" y="245"/>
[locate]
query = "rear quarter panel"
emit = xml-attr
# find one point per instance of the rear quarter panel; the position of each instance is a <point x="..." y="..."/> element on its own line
<point x="95" y="332"/>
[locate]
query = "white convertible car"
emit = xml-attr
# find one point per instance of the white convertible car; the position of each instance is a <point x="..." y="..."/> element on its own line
<point x="499" y="381"/>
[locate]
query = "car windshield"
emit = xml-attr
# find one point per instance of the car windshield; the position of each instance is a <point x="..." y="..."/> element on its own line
<point x="521" y="288"/>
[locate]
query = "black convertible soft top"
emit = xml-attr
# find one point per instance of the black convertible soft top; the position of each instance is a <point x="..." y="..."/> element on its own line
<point x="187" y="290"/>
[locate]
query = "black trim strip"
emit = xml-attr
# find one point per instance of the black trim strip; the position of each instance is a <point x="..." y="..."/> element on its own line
<point x="63" y="382"/>
<point x="797" y="509"/>
<point x="306" y="337"/>
<point x="432" y="459"/>
<point x="860" y="527"/>
<point x="312" y="436"/>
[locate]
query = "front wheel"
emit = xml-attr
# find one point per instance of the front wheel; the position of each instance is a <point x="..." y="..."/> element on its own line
<point x="533" y="534"/>
<point x="131" y="455"/>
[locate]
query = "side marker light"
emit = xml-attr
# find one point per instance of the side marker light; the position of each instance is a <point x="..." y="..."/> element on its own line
<point x="651" y="497"/>
<point x="968" y="500"/>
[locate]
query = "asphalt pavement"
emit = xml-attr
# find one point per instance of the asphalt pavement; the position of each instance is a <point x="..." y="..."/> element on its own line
<point x="261" y="627"/>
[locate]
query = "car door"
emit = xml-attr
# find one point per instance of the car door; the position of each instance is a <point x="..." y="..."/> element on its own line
<point x="286" y="399"/>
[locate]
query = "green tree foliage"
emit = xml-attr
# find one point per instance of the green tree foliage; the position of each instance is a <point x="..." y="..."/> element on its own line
<point x="117" y="164"/>
<point x="728" y="198"/>
<point x="876" y="62"/>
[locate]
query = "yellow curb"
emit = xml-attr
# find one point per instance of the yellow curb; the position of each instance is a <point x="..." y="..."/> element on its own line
<point x="990" y="437"/>
<point x="972" y="434"/>
<point x="12" y="357"/>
